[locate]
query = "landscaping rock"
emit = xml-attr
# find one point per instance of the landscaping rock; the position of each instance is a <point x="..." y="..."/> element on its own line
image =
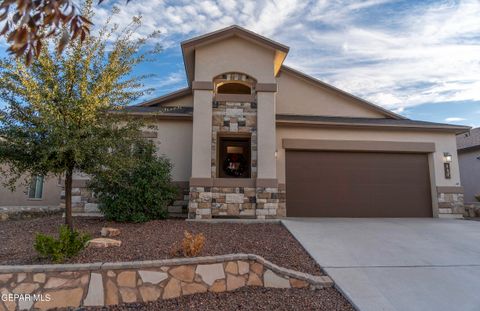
<point x="193" y="288"/>
<point x="243" y="267"/>
<point x="112" y="293"/>
<point x="61" y="299"/>
<point x="4" y="278"/>
<point x="104" y="243"/>
<point x="183" y="273"/>
<point x="234" y="282"/>
<point x="231" y="268"/>
<point x="127" y="279"/>
<point x="150" y="293"/>
<point x="218" y="286"/>
<point x="109" y="232"/>
<point x="210" y="273"/>
<point x="254" y="280"/>
<point x="298" y="283"/>
<point x="271" y="279"/>
<point x="172" y="290"/>
<point x="153" y="277"/>
<point x="95" y="291"/>
<point x="128" y="295"/>
<point x="39" y="277"/>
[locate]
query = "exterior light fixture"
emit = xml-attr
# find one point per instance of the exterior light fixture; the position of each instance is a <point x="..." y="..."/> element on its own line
<point x="447" y="159"/>
<point x="276" y="154"/>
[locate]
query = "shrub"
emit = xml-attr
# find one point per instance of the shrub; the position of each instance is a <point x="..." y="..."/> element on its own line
<point x="477" y="197"/>
<point x="191" y="246"/>
<point x="68" y="244"/>
<point x="137" y="189"/>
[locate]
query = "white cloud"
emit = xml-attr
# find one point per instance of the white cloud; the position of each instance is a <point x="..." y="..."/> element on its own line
<point x="454" y="119"/>
<point x="401" y="57"/>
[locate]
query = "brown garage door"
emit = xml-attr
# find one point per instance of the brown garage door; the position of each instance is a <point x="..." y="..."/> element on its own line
<point x="357" y="184"/>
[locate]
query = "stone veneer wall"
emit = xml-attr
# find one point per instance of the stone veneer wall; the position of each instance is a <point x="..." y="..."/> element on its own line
<point x="450" y="205"/>
<point x="84" y="202"/>
<point x="246" y="202"/>
<point x="116" y="283"/>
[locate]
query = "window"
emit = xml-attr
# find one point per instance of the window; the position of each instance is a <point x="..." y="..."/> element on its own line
<point x="234" y="157"/>
<point x="233" y="88"/>
<point x="35" y="190"/>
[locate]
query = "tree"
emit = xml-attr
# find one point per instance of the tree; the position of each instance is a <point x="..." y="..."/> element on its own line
<point x="58" y="117"/>
<point x="28" y="22"/>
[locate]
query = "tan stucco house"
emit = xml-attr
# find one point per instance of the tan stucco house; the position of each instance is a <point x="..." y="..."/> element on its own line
<point x="252" y="138"/>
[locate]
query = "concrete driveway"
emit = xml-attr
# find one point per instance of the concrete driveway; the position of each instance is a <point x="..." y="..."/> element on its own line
<point x="397" y="264"/>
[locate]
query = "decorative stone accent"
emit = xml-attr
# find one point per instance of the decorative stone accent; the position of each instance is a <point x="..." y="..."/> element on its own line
<point x="97" y="284"/>
<point x="152" y="277"/>
<point x="450" y="205"/>
<point x="104" y="243"/>
<point x="211" y="273"/>
<point x="27" y="212"/>
<point x="95" y="291"/>
<point x="273" y="280"/>
<point x="109" y="232"/>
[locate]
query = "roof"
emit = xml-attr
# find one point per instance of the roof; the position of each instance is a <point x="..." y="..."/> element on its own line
<point x="368" y="122"/>
<point x="164" y="98"/>
<point x="342" y="92"/>
<point x="469" y="140"/>
<point x="188" y="46"/>
<point x="162" y="112"/>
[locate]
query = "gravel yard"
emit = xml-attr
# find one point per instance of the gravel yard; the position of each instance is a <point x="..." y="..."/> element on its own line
<point x="153" y="240"/>
<point x="249" y="298"/>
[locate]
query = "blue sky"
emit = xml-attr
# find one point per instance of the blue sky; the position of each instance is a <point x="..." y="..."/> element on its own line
<point x="418" y="58"/>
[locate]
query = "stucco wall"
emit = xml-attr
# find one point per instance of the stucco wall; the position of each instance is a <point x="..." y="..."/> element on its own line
<point x="443" y="143"/>
<point x="174" y="140"/>
<point x="470" y="173"/>
<point x="234" y="55"/>
<point x="51" y="194"/>
<point x="301" y="97"/>
<point x="184" y="101"/>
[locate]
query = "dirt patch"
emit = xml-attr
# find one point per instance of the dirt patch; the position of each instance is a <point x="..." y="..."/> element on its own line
<point x="153" y="240"/>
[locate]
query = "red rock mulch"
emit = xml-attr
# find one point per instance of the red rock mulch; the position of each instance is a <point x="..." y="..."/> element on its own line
<point x="153" y="240"/>
<point x="249" y="298"/>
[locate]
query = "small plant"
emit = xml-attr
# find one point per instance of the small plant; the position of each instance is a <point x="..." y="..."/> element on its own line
<point x="477" y="197"/>
<point x="68" y="244"/>
<point x="191" y="246"/>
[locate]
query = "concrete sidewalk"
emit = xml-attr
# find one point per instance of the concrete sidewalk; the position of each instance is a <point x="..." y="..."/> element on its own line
<point x="397" y="264"/>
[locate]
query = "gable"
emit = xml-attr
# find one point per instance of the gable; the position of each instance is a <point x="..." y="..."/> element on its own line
<point x="234" y="54"/>
<point x="302" y="95"/>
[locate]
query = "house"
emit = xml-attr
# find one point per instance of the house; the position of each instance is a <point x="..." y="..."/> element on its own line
<point x="468" y="145"/>
<point x="41" y="192"/>
<point x="252" y="138"/>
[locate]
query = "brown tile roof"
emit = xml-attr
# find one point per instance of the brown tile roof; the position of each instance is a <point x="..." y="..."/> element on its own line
<point x="469" y="140"/>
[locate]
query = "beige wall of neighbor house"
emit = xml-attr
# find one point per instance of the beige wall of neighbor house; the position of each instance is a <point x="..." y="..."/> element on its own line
<point x="234" y="55"/>
<point x="19" y="197"/>
<point x="202" y="134"/>
<point x="444" y="142"/>
<point x="303" y="97"/>
<point x="174" y="140"/>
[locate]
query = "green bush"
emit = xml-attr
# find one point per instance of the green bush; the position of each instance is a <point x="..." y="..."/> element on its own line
<point x="68" y="244"/>
<point x="137" y="189"/>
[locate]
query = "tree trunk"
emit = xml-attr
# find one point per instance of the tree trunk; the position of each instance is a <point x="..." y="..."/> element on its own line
<point x="68" y="199"/>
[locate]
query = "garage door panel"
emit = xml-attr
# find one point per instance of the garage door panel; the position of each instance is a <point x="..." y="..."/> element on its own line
<point x="356" y="184"/>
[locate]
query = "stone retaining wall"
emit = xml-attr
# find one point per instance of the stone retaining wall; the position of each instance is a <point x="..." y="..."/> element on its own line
<point x="450" y="205"/>
<point x="97" y="284"/>
<point x="27" y="212"/>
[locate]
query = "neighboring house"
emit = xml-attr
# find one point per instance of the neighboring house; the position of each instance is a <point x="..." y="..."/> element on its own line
<point x="39" y="192"/>
<point x="468" y="145"/>
<point x="252" y="138"/>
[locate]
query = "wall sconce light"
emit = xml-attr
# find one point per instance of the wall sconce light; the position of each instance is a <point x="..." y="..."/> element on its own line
<point x="276" y="154"/>
<point x="447" y="159"/>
